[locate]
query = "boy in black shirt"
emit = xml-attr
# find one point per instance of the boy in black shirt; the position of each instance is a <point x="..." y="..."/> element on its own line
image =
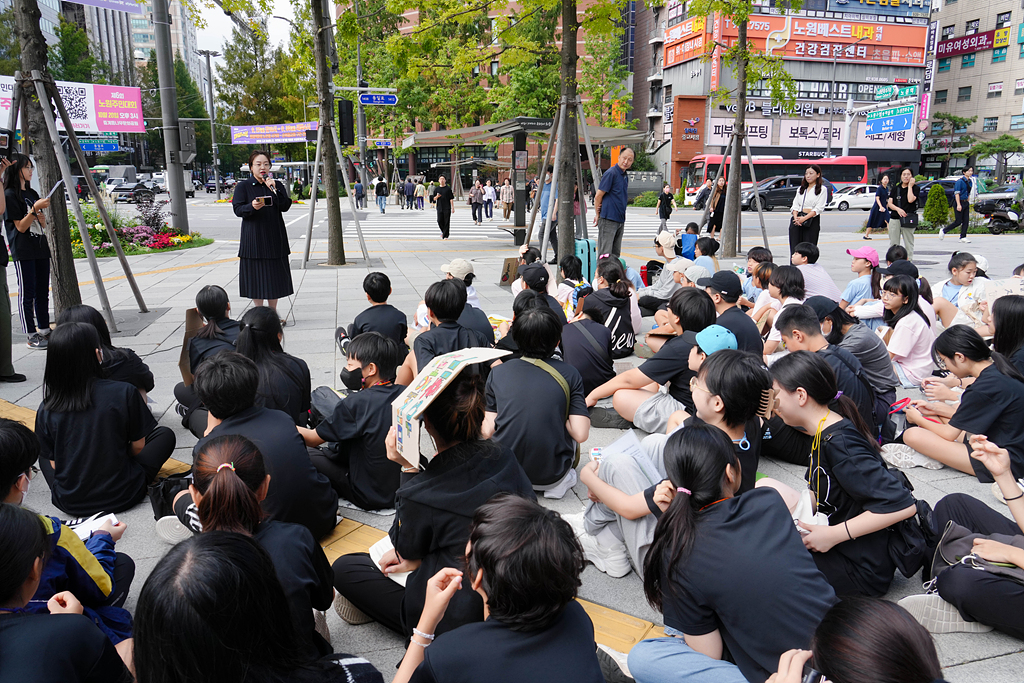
<point x="725" y="290"/>
<point x="379" y="317"/>
<point x="535" y="276"/>
<point x="445" y="301"/>
<point x="356" y="461"/>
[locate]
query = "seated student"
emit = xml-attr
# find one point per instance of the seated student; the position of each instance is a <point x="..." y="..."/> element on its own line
<point x="213" y="610"/>
<point x="525" y="564"/>
<point x="801" y="331"/>
<point x="535" y="405"/>
<point x="617" y="300"/>
<point x="536" y="277"/>
<point x="587" y="346"/>
<point x="686" y="241"/>
<point x="872" y="312"/>
<point x="910" y="344"/>
<point x="284" y="379"/>
<point x="101" y="446"/>
<point x="968" y="600"/>
<point x="636" y="394"/>
<point x="227" y="385"/>
<point x="63" y="645"/>
<point x="786" y="286"/>
<point x="434" y="508"/>
<point x="993" y="405"/>
<point x="615" y="529"/>
<point x="573" y="284"/>
<point x="727" y="620"/>
<point x="751" y="290"/>
<point x="380" y="316"/>
<point x="704" y="250"/>
<point x="1007" y="324"/>
<point x="472" y="316"/>
<point x="765" y="306"/>
<point x="119" y="364"/>
<point x="656" y="296"/>
<point x="960" y="296"/>
<point x="865" y="639"/>
<point x="663" y="329"/>
<point x="724" y="289"/>
<point x="229" y="483"/>
<point x="817" y="281"/>
<point x="98" y="577"/>
<point x="445" y="302"/>
<point x="526" y="300"/>
<point x="356" y="461"/>
<point x="850" y="335"/>
<point x="867" y="284"/>
<point x="527" y="255"/>
<point x="848" y="480"/>
<point x="218" y="334"/>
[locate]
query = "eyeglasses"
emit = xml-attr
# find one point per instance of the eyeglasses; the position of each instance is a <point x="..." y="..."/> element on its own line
<point x="939" y="362"/>
<point x="31" y="472"/>
<point x="886" y="294"/>
<point x="694" y="385"/>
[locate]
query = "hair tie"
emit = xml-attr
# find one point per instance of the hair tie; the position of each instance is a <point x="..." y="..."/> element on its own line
<point x="918" y="281"/>
<point x="247" y="325"/>
<point x="229" y="465"/>
<point x="683" y="490"/>
<point x="836" y="397"/>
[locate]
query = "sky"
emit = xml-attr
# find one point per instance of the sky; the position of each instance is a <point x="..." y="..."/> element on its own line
<point x="218" y="27"/>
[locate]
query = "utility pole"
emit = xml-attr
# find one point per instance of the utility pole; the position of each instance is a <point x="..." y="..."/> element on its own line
<point x="169" y="114"/>
<point x="325" y="93"/>
<point x="213" y="115"/>
<point x="360" y="112"/>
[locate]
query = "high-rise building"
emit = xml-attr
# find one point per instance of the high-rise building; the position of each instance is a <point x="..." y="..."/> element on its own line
<point x="49" y="11"/>
<point x="110" y="38"/>
<point x="183" y="39"/>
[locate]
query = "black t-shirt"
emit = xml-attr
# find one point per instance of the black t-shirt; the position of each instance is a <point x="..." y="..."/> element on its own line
<point x="57" y="648"/>
<point x="383" y="318"/>
<point x="199" y="348"/>
<point x="445" y="338"/>
<point x="286" y="387"/>
<point x="594" y="367"/>
<point x="306" y="576"/>
<point x="740" y="324"/>
<point x="852" y="380"/>
<point x="474" y="319"/>
<point x="124" y="365"/>
<point x="530" y="407"/>
<point x="664" y="205"/>
<point x="899" y="198"/>
<point x="298" y="492"/>
<point x="849" y="479"/>
<point x="553" y="304"/>
<point x="563" y="652"/>
<point x="671" y="365"/>
<point x="1018" y="359"/>
<point x="24" y="245"/>
<point x="95" y="469"/>
<point x="443" y="199"/>
<point x="359" y="424"/>
<point x="749" y="576"/>
<point x="993" y="405"/>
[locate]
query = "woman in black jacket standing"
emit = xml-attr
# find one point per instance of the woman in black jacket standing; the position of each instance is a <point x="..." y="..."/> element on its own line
<point x="25" y="222"/>
<point x="263" y="270"/>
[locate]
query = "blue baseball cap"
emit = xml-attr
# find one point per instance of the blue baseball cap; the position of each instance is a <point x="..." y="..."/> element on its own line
<point x="712" y="338"/>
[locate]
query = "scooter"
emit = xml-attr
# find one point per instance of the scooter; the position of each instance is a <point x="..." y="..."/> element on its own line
<point x="1001" y="221"/>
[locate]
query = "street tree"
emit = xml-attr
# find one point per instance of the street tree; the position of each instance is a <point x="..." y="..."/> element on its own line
<point x="70" y="58"/>
<point x="1000" y="148"/>
<point x="949" y="126"/>
<point x="603" y="80"/>
<point x="191" y="104"/>
<point x="10" y="51"/>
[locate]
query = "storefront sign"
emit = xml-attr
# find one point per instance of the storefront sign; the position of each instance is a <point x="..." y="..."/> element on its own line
<point x="976" y="43"/>
<point x="275" y="133"/>
<point x="995" y="87"/>
<point x="895" y="8"/>
<point x="716" y="36"/>
<point x="685" y="41"/>
<point x="759" y="131"/>
<point x="686" y="123"/>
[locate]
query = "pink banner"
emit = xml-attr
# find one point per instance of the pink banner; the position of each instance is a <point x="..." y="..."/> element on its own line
<point x="118" y="110"/>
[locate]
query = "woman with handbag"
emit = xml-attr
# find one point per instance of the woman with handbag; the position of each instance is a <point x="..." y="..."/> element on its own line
<point x="807" y="208"/>
<point x="903" y="212"/>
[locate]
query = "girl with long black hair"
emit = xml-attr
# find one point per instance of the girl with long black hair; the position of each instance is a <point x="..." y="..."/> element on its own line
<point x="848" y="480"/>
<point x="698" y="572"/>
<point x="618" y="302"/>
<point x="1008" y="333"/>
<point x="100" y="446"/>
<point x="911" y="341"/>
<point x="993" y="405"/>
<point x="284" y="379"/>
<point x="808" y="206"/>
<point x="120" y="364"/>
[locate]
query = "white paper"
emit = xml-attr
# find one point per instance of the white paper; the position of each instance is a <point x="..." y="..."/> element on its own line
<point x="59" y="183"/>
<point x="85" y="529"/>
<point x="629" y="444"/>
<point x="377" y="551"/>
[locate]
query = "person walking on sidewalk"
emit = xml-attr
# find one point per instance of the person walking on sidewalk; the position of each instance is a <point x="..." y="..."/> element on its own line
<point x="961" y="195"/>
<point x="421" y="192"/>
<point x="610" y="205"/>
<point x="360" y="194"/>
<point x="508" y="197"/>
<point x="380" y="190"/>
<point x="7" y="373"/>
<point x="476" y="202"/>
<point x="490" y="196"/>
<point x="444" y="200"/>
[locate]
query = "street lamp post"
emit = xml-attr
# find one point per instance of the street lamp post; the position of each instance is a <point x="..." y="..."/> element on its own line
<point x="832" y="98"/>
<point x="213" y="115"/>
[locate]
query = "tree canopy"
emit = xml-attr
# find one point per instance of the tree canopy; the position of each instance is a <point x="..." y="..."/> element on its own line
<point x="69" y="56"/>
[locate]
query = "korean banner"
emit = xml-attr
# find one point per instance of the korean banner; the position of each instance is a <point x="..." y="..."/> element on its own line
<point x="92" y="108"/>
<point x="273" y="133"/>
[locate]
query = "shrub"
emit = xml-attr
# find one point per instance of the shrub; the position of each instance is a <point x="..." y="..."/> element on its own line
<point x="936" y="208"/>
<point x="151" y="211"/>
<point x="647" y="199"/>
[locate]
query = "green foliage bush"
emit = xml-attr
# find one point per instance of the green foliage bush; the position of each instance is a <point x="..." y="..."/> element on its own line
<point x="936" y="209"/>
<point x="647" y="199"/>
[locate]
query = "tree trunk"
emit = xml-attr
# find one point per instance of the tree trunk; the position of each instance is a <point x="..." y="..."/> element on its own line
<point x="731" y="223"/>
<point x="570" y="151"/>
<point x="63" y="277"/>
<point x="335" y="238"/>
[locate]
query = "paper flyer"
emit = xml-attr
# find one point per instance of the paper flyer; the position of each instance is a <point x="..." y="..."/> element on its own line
<point x="999" y="288"/>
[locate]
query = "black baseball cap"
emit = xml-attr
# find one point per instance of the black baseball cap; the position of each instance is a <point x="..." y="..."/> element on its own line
<point x="822" y="305"/>
<point x="724" y="282"/>
<point x="535" y="275"/>
<point x="900" y="267"/>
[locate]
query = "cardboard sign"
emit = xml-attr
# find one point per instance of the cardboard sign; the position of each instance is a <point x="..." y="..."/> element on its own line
<point x="509" y="270"/>
<point x="425" y="388"/>
<point x="193" y="323"/>
<point x="999" y="288"/>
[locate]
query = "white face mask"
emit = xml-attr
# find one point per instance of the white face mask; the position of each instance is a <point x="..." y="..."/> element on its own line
<point x="28" y="485"/>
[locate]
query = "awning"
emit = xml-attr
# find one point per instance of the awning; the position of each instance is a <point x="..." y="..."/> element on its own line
<point x="534" y="127"/>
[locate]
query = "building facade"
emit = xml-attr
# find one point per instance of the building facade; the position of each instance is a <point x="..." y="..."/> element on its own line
<point x="110" y="38"/>
<point x="183" y="39"/>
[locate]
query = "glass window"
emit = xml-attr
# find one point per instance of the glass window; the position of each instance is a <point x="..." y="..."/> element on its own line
<point x="1003" y="20"/>
<point x="944" y="63"/>
<point x="940" y="96"/>
<point x="1021" y="55"/>
<point x="995" y="90"/>
<point x="1019" y="90"/>
<point x="948" y="32"/>
<point x="967" y="61"/>
<point x="494" y="68"/>
<point x="1017" y="122"/>
<point x="999" y="54"/>
<point x="937" y="129"/>
<point x="964" y="94"/>
<point x="972" y="27"/>
<point x="960" y="129"/>
<point x="991" y="124"/>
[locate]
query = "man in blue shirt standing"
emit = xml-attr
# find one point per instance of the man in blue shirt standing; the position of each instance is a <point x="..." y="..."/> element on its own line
<point x="610" y="205"/>
<point x="961" y="195"/>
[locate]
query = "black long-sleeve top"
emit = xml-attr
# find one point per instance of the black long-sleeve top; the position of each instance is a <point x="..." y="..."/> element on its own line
<point x="263" y="232"/>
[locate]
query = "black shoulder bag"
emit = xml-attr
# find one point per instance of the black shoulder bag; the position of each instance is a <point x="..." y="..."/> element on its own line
<point x="910" y="220"/>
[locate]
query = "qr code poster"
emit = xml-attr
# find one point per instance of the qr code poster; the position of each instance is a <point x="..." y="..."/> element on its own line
<point x="92" y="108"/>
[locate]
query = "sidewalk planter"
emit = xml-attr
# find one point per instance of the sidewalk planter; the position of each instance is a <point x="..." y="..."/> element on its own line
<point x="134" y="238"/>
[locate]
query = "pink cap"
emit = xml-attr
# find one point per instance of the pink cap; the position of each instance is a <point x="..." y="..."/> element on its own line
<point x="865" y="253"/>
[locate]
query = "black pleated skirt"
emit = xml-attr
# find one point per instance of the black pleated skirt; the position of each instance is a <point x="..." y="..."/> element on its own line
<point x="264" y="278"/>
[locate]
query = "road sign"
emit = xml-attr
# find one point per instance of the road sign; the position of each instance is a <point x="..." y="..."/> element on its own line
<point x="372" y="98"/>
<point x="886" y="92"/>
<point x="889" y="124"/>
<point x="889" y="113"/>
<point x="100" y="147"/>
<point x="382" y="143"/>
<point x="908" y="91"/>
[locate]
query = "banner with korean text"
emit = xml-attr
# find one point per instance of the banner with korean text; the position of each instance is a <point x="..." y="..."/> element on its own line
<point x="92" y="108"/>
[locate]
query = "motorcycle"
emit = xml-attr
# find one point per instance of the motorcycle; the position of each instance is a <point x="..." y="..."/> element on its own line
<point x="1000" y="221"/>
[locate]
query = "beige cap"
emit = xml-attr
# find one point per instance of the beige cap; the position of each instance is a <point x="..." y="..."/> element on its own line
<point x="459" y="268"/>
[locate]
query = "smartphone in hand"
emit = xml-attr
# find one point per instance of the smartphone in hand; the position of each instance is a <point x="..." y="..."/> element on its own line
<point x="268" y="200"/>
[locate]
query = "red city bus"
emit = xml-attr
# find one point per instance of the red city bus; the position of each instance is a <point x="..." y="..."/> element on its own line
<point x="840" y="171"/>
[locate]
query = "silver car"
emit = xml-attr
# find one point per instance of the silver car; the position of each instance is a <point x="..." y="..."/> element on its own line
<point x="853" y="197"/>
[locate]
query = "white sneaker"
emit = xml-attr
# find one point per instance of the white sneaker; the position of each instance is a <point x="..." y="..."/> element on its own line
<point x="998" y="494"/>
<point x="903" y="456"/>
<point x="613" y="560"/>
<point x="939" y="616"/>
<point x="171" y="529"/>
<point x="964" y="240"/>
<point x="563" y="485"/>
<point x="942" y="233"/>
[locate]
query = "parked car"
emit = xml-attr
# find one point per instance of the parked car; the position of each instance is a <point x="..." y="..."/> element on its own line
<point x="997" y="199"/>
<point x="853" y="197"/>
<point x="923" y="188"/>
<point x="774" y="191"/>
<point x="212" y="187"/>
<point x="110" y="183"/>
<point x="133" y="192"/>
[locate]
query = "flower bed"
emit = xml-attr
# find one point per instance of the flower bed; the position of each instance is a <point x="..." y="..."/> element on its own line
<point x="134" y="236"/>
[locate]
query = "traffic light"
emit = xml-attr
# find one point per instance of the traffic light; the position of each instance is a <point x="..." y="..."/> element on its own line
<point x="346" y="123"/>
<point x="187" y="134"/>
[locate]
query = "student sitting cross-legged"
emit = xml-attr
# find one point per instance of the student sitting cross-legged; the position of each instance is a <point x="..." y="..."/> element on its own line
<point x="120" y="364"/>
<point x="445" y="301"/>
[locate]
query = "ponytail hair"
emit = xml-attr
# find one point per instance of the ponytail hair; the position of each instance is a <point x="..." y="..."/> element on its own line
<point x="695" y="459"/>
<point x="612" y="272"/>
<point x="212" y="303"/>
<point x="228" y="471"/>
<point x="965" y="340"/>
<point x="813" y="373"/>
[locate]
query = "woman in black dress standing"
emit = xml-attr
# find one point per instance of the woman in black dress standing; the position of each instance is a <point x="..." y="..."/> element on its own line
<point x="263" y="271"/>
